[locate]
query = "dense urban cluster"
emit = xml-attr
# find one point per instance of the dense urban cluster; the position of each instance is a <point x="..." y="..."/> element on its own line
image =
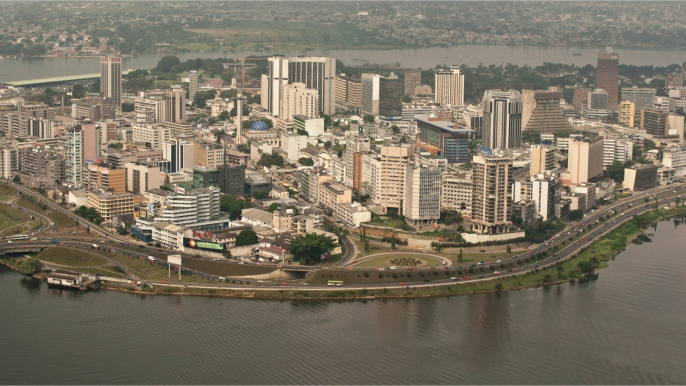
<point x="191" y="156"/>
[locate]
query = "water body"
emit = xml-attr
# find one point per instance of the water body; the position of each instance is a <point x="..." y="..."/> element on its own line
<point x="12" y="70"/>
<point x="625" y="328"/>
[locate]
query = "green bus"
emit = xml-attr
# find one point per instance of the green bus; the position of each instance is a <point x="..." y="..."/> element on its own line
<point x="336" y="282"/>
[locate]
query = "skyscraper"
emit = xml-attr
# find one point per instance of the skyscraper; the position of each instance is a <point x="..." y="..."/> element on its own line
<point x="607" y="77"/>
<point x="390" y="96"/>
<point x="370" y="94"/>
<point x="175" y="101"/>
<point x="392" y="176"/>
<point x="449" y="88"/>
<point x="317" y="73"/>
<point x="502" y="121"/>
<point x="422" y="203"/>
<point x="413" y="79"/>
<point x="491" y="194"/>
<point x="585" y="160"/>
<point x="642" y="98"/>
<point x="110" y="78"/>
<point x="655" y="122"/>
<point x="296" y="99"/>
<point x="546" y="114"/>
<point x="192" y="84"/>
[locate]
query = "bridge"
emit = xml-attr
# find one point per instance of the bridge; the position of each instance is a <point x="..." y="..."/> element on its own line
<point x="56" y="79"/>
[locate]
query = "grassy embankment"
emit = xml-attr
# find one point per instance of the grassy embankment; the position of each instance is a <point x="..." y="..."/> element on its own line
<point x="12" y="220"/>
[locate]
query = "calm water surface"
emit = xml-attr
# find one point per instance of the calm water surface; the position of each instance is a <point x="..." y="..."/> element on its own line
<point x="424" y="57"/>
<point x="625" y="328"/>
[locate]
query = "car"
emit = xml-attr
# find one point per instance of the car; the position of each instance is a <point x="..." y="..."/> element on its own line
<point x="481" y="277"/>
<point x="467" y="278"/>
<point x="480" y="263"/>
<point x="454" y="278"/>
<point x="496" y="273"/>
<point x="444" y="269"/>
<point x="354" y="261"/>
<point x="498" y="261"/>
<point x="30" y="241"/>
<point x="427" y="280"/>
<point x="545" y="261"/>
<point x="382" y="269"/>
<point x="483" y="250"/>
<point x="284" y="283"/>
<point x="141" y="246"/>
<point x="161" y="281"/>
<point x="401" y="283"/>
<point x="61" y="243"/>
<point x="350" y="268"/>
<point x="259" y="281"/>
<point x="414" y="268"/>
<point x="424" y="251"/>
<point x="509" y="271"/>
<point x="10" y="242"/>
<point x="529" y="252"/>
<point x="89" y="240"/>
<point x="317" y="266"/>
<point x="516" y="269"/>
<point x="432" y="268"/>
<point x="546" y="244"/>
<point x="392" y="267"/>
<point x="306" y="284"/>
<point x="279" y="266"/>
<point x="34" y="238"/>
<point x="259" y="264"/>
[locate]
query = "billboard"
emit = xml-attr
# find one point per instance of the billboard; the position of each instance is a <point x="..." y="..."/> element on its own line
<point x="174" y="259"/>
<point x="203" y="245"/>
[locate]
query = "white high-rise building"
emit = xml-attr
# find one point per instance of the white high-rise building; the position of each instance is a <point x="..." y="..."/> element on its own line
<point x="192" y="85"/>
<point x="191" y="207"/>
<point x="318" y="73"/>
<point x="449" y="87"/>
<point x="617" y="150"/>
<point x="491" y="194"/>
<point x="422" y="204"/>
<point x="370" y="94"/>
<point x="9" y="162"/>
<point x="371" y="172"/>
<point x="456" y="194"/>
<point x="545" y="191"/>
<point x="153" y="134"/>
<point x="74" y="155"/>
<point x="296" y="99"/>
<point x="178" y="154"/>
<point x="502" y="120"/>
<point x="110" y="78"/>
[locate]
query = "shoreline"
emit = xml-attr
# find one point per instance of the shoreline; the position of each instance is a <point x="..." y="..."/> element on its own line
<point x="407" y="292"/>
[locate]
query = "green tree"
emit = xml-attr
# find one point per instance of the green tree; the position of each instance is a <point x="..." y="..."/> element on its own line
<point x="224" y="116"/>
<point x="368" y="118"/>
<point x="393" y="243"/>
<point x="30" y="266"/>
<point x="509" y="249"/>
<point x="78" y="91"/>
<point x="586" y="267"/>
<point x="449" y="217"/>
<point x="309" y="249"/>
<point x="459" y="256"/>
<point x="246" y="237"/>
<point x="306" y="161"/>
<point x="232" y="205"/>
<point x="167" y="64"/>
<point x="576" y="215"/>
<point x="499" y="288"/>
<point x="16" y="179"/>
<point x="615" y="171"/>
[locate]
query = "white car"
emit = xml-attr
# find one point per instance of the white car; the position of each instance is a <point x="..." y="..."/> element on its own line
<point x="392" y="267"/>
<point x="10" y="242"/>
<point x="498" y="261"/>
<point x="454" y="278"/>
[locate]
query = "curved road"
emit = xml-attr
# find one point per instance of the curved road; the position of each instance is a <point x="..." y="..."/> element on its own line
<point x="626" y="207"/>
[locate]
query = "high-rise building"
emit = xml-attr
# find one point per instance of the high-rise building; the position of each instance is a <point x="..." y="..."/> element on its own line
<point x="545" y="192"/>
<point x="41" y="128"/>
<point x="175" y="105"/>
<point x="74" y="155"/>
<point x="617" y="150"/>
<point x="187" y="207"/>
<point x="542" y="158"/>
<point x="446" y="139"/>
<point x="449" y="89"/>
<point x="9" y="161"/>
<point x="422" y="203"/>
<point x="546" y="114"/>
<point x="91" y="142"/>
<point x="318" y="73"/>
<point x="296" y="99"/>
<point x="359" y="144"/>
<point x="103" y="178"/>
<point x="502" y="120"/>
<point x="390" y="96"/>
<point x="413" y="79"/>
<point x="232" y="179"/>
<point x="655" y="122"/>
<point x="580" y="99"/>
<point x="208" y="156"/>
<point x="153" y="135"/>
<point x="598" y="99"/>
<point x="585" y="159"/>
<point x="141" y="177"/>
<point x="110" y="78"/>
<point x="370" y="94"/>
<point x="491" y="194"/>
<point x="607" y="76"/>
<point x="348" y="93"/>
<point x="456" y="194"/>
<point x="642" y="98"/>
<point x="178" y="155"/>
<point x="627" y="112"/>
<point x="392" y="176"/>
<point x="192" y="84"/>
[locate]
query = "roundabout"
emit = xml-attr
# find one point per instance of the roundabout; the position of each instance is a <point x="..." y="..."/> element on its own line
<point x="402" y="260"/>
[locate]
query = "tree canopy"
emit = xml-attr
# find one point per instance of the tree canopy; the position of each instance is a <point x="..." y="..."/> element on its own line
<point x="246" y="237"/>
<point x="309" y="249"/>
<point x="306" y="161"/>
<point x="234" y="206"/>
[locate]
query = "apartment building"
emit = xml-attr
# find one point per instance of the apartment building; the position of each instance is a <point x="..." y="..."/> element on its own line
<point x="101" y="178"/>
<point x="392" y="176"/>
<point x="491" y="194"/>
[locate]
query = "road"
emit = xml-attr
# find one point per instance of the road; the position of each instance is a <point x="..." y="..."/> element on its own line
<point x="627" y="207"/>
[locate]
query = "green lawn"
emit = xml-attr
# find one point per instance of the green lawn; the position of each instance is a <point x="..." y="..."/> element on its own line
<point x="30" y="204"/>
<point x="11" y="217"/>
<point x="71" y="257"/>
<point x="384" y="260"/>
<point x="148" y="271"/>
<point x="6" y="192"/>
<point x="388" y="222"/>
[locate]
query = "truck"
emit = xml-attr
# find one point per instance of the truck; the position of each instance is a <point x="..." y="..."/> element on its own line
<point x="96" y="246"/>
<point x="151" y="258"/>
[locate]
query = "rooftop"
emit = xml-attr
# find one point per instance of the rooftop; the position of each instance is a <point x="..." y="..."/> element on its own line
<point x="442" y="125"/>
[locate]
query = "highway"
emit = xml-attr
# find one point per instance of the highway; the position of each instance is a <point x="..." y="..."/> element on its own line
<point x="625" y="209"/>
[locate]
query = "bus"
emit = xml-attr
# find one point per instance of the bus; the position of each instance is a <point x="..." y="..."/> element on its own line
<point x="337" y="283"/>
<point x="21" y="237"/>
